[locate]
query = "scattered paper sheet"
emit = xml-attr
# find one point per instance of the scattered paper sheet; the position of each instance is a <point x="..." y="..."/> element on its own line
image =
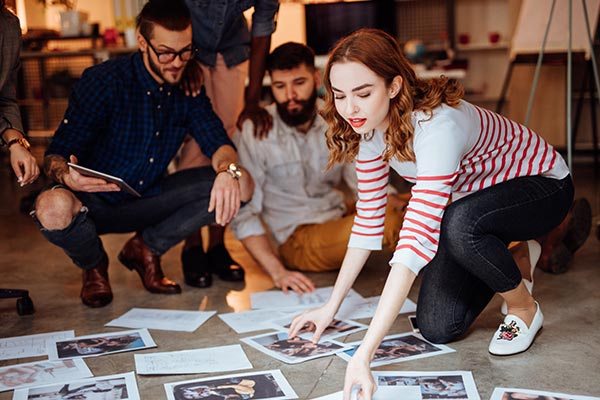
<point x="214" y="359"/>
<point x="276" y="299"/>
<point x="121" y="386"/>
<point x="42" y="373"/>
<point x="335" y="329"/>
<point x="367" y="309"/>
<point x="293" y="350"/>
<point x="169" y="320"/>
<point x="431" y="384"/>
<point x="100" y="344"/>
<point x="514" y="394"/>
<point x="30" y="345"/>
<point x="397" y="348"/>
<point x="382" y="393"/>
<point x="264" y="385"/>
<point x="255" y="320"/>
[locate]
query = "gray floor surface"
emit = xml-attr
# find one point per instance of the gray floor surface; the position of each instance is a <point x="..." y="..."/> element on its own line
<point x="565" y="357"/>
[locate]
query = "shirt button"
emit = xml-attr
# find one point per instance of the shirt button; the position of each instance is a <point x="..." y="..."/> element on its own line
<point x="65" y="121"/>
<point x="160" y="89"/>
<point x="148" y="93"/>
<point x="151" y="160"/>
<point x="157" y="133"/>
<point x="158" y="106"/>
<point x="141" y="183"/>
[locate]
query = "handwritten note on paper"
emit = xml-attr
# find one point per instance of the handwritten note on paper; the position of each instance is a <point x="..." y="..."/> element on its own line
<point x="214" y="359"/>
<point x="382" y="393"/>
<point x="255" y="320"/>
<point x="30" y="345"/>
<point x="170" y="320"/>
<point x="367" y="309"/>
<point x="277" y="299"/>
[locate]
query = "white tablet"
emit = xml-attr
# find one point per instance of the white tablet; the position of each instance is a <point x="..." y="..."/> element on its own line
<point x="109" y="178"/>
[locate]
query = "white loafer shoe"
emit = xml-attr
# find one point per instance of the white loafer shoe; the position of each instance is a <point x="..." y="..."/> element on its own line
<point x="535" y="251"/>
<point x="513" y="336"/>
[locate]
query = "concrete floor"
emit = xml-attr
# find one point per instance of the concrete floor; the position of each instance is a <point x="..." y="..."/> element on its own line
<point x="565" y="357"/>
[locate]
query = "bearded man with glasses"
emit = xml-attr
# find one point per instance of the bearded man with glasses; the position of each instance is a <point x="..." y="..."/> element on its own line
<point x="127" y="117"/>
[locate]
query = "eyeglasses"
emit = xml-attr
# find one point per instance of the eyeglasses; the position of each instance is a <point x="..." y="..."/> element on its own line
<point x="165" y="57"/>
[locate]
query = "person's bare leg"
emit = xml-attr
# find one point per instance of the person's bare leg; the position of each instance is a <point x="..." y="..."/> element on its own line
<point x="520" y="252"/>
<point x="520" y="303"/>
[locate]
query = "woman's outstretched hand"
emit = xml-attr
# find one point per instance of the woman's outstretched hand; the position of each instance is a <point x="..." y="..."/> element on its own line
<point x="319" y="318"/>
<point x="358" y="374"/>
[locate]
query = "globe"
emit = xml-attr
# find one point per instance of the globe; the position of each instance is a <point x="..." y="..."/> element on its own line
<point x="414" y="50"/>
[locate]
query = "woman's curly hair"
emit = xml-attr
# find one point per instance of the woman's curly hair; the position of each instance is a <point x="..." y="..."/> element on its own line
<point x="381" y="53"/>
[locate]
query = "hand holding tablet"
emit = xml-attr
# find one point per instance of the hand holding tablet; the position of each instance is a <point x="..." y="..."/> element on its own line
<point x="108" y="178"/>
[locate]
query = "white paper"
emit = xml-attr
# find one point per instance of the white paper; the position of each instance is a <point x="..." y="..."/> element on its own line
<point x="169" y="320"/>
<point x="213" y="359"/>
<point x="337" y="328"/>
<point x="264" y="385"/>
<point x="100" y="344"/>
<point x="276" y="299"/>
<point x="255" y="320"/>
<point x="293" y="350"/>
<point x="382" y="393"/>
<point x="121" y="386"/>
<point x="42" y="373"/>
<point x="367" y="309"/>
<point x="398" y="348"/>
<point x="30" y="345"/>
<point x="457" y="385"/>
<point x="498" y="394"/>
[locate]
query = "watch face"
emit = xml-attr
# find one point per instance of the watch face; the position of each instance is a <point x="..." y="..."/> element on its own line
<point x="25" y="143"/>
<point x="236" y="172"/>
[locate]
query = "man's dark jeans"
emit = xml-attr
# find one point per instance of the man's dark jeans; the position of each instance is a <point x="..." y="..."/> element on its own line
<point x="164" y="219"/>
<point x="473" y="261"/>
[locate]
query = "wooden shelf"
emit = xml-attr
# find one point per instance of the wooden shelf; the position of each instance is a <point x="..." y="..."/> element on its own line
<point x="483" y="47"/>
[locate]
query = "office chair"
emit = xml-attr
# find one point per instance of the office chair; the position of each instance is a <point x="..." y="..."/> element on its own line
<point x="24" y="303"/>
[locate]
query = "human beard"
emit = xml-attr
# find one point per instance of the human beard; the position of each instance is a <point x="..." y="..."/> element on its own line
<point x="305" y="114"/>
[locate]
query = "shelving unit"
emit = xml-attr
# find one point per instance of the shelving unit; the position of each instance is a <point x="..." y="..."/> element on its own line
<point x="487" y="62"/>
<point x="46" y="78"/>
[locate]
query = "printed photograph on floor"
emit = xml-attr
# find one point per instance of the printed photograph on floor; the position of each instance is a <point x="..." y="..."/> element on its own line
<point x="113" y="387"/>
<point x="265" y="385"/>
<point x="400" y="347"/>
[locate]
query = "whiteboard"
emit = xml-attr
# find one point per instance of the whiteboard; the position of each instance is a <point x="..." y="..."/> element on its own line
<point x="533" y="19"/>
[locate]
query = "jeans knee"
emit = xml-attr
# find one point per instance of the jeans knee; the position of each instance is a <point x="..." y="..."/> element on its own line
<point x="435" y="333"/>
<point x="56" y="208"/>
<point x="458" y="228"/>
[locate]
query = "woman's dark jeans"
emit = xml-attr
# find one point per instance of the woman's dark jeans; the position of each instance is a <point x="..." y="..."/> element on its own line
<point x="473" y="261"/>
<point x="164" y="219"/>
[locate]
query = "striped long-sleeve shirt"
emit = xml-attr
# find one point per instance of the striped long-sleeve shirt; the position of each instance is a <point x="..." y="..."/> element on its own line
<point x="458" y="151"/>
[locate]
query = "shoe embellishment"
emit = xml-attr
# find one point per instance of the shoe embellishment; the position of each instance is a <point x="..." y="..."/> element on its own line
<point x="509" y="332"/>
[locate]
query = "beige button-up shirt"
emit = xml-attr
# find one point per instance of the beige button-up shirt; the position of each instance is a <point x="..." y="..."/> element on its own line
<point x="292" y="186"/>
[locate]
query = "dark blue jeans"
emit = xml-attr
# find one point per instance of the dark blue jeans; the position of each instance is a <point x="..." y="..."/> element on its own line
<point x="473" y="261"/>
<point x="165" y="219"/>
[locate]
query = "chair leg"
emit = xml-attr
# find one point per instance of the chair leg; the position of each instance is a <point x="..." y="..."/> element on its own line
<point x="24" y="302"/>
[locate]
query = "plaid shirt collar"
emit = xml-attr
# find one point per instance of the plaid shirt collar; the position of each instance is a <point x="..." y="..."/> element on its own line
<point x="146" y="81"/>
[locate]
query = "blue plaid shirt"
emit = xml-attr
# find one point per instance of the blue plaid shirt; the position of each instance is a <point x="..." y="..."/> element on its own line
<point x="122" y="122"/>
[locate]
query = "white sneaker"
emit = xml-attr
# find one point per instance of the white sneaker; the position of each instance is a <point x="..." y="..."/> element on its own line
<point x="513" y="336"/>
<point x="535" y="251"/>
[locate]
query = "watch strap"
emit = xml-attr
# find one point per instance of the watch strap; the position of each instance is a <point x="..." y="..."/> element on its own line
<point x="22" y="141"/>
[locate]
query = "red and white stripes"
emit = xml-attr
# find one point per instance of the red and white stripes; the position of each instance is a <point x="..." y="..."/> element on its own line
<point x="459" y="151"/>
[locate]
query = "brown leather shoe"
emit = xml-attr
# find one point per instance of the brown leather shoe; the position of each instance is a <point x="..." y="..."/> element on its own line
<point x="96" y="291"/>
<point x="562" y="242"/>
<point x="137" y="256"/>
